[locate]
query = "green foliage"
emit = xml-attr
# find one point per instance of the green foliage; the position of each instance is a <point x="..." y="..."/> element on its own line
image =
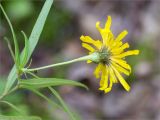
<point x="37" y="83"/>
<point x="12" y="106"/>
<point x="10" y="49"/>
<point x="33" y="40"/>
<point x="14" y="38"/>
<point x="26" y="51"/>
<point x="2" y="85"/>
<point x="55" y="105"/>
<point x="54" y="92"/>
<point x="14" y="80"/>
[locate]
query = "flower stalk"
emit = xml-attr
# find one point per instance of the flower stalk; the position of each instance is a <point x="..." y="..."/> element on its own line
<point x="93" y="57"/>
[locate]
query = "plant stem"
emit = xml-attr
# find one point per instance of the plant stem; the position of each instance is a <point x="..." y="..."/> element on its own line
<point x="84" y="58"/>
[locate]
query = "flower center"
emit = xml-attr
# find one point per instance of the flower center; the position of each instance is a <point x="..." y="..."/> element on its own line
<point x="104" y="55"/>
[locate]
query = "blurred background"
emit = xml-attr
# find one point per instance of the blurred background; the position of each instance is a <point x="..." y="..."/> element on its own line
<point x="67" y="21"/>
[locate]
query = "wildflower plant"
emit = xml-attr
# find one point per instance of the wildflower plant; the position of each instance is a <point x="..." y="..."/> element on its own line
<point x="109" y="55"/>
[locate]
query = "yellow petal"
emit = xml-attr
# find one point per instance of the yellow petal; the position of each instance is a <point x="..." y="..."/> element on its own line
<point x="111" y="43"/>
<point x="98" y="26"/>
<point x="104" y="72"/>
<point x="117" y="42"/>
<point x="115" y="45"/>
<point x="105" y="37"/>
<point x="88" y="39"/>
<point x="89" y="61"/>
<point x="108" y="38"/>
<point x="83" y="38"/>
<point x="98" y="69"/>
<point x="120" y="69"/>
<point x="108" y="23"/>
<point x="121" y="80"/>
<point x="121" y="35"/>
<point x="120" y="49"/>
<point x="131" y="52"/>
<point x="110" y="86"/>
<point x="88" y="47"/>
<point x="112" y="75"/>
<point x="122" y="63"/>
<point x="102" y="32"/>
<point x="124" y="46"/>
<point x="105" y="32"/>
<point x="104" y="80"/>
<point x="107" y="89"/>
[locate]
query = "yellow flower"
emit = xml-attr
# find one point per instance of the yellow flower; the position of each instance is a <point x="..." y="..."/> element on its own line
<point x="111" y="52"/>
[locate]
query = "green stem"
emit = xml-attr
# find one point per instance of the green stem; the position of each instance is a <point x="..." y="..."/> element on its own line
<point x="84" y="58"/>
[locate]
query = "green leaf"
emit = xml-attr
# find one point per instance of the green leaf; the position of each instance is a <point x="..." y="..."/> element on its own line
<point x="47" y="82"/>
<point x="43" y="96"/>
<point x="2" y="117"/>
<point x="54" y="92"/>
<point x="26" y="50"/>
<point x="33" y="39"/>
<point x="13" y="106"/>
<point x="10" y="49"/>
<point x="14" y="37"/>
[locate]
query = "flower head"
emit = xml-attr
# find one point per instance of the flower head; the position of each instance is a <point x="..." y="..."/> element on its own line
<point x="111" y="53"/>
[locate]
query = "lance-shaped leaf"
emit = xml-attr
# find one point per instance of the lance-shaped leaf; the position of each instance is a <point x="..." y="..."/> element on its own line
<point x="66" y="108"/>
<point x="10" y="49"/>
<point x="47" y="82"/>
<point x="33" y="39"/>
<point x="13" y="106"/>
<point x="23" y="59"/>
<point x="17" y="56"/>
<point x="55" y="105"/>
